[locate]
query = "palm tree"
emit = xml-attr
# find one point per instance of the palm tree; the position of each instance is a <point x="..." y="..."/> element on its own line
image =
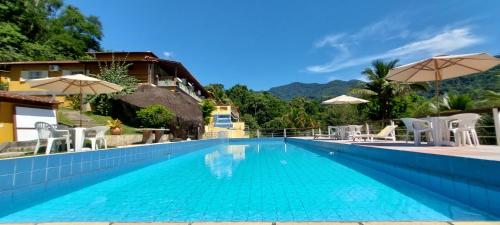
<point x="383" y="91"/>
<point x="490" y="99"/>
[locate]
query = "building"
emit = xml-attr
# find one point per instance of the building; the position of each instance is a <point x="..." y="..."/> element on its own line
<point x="225" y="119"/>
<point x="145" y="66"/>
<point x="19" y="112"/>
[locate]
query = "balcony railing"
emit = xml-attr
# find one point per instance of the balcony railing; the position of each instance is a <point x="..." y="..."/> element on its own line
<point x="185" y="88"/>
<point x="167" y="83"/>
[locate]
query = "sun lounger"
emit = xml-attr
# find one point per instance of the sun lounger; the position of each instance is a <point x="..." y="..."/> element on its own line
<point x="386" y="134"/>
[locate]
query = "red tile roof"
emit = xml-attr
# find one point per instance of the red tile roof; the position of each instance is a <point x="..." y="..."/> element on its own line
<point x="8" y="96"/>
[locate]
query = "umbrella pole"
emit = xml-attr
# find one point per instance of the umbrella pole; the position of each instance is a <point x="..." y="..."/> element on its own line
<point x="81" y="105"/>
<point x="437" y="97"/>
<point x="81" y="108"/>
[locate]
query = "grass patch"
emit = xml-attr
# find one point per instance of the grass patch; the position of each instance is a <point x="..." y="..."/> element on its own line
<point x="102" y="121"/>
<point x="62" y="119"/>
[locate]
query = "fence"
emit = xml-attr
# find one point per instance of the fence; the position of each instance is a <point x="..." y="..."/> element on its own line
<point x="488" y="128"/>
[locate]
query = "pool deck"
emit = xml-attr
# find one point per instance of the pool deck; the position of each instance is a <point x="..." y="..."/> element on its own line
<point x="485" y="152"/>
<point x="271" y="223"/>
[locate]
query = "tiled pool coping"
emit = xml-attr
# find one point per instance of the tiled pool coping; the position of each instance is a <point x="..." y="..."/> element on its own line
<point x="272" y="223"/>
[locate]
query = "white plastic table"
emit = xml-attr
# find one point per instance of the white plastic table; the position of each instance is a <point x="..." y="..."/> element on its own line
<point x="440" y="131"/>
<point x="77" y="137"/>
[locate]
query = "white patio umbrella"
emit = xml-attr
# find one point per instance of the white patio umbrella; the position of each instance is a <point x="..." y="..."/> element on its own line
<point x="344" y="100"/>
<point x="443" y="67"/>
<point x="75" y="84"/>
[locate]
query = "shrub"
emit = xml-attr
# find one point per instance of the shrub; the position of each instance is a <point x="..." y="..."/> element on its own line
<point x="115" y="72"/>
<point x="154" y="116"/>
<point x="4" y="86"/>
<point x="207" y="107"/>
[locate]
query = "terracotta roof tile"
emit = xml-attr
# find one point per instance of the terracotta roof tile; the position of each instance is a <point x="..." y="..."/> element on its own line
<point x="13" y="97"/>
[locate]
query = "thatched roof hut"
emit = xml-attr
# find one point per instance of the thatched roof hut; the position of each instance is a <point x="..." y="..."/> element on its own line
<point x="188" y="115"/>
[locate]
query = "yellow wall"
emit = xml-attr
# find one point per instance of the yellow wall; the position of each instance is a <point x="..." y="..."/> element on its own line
<point x="237" y="131"/>
<point x="222" y="109"/>
<point x="6" y="122"/>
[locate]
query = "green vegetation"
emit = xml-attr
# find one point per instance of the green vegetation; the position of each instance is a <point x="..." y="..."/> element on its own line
<point x="314" y="90"/>
<point x="388" y="100"/>
<point x="4" y="86"/>
<point x="62" y="119"/>
<point x="115" y="72"/>
<point x="155" y="116"/>
<point x="46" y="30"/>
<point x="207" y="107"/>
<point x="103" y="121"/>
<point x="472" y="85"/>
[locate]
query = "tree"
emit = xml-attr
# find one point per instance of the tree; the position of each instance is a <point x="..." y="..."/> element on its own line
<point x="46" y="30"/>
<point x="207" y="107"/>
<point x="381" y="91"/>
<point x="490" y="99"/>
<point x="218" y="93"/>
<point x="457" y="102"/>
<point x="114" y="72"/>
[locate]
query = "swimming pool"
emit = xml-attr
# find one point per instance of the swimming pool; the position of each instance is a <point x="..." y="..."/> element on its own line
<point x="248" y="181"/>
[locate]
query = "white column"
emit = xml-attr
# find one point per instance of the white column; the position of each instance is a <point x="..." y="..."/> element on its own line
<point x="496" y="119"/>
<point x="284" y="132"/>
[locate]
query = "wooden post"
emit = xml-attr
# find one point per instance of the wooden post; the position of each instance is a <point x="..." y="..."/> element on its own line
<point x="496" y="119"/>
<point x="258" y="133"/>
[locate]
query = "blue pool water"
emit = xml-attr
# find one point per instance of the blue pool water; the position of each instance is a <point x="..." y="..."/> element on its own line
<point x="249" y="181"/>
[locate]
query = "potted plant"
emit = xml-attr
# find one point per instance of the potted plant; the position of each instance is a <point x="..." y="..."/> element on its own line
<point x="115" y="126"/>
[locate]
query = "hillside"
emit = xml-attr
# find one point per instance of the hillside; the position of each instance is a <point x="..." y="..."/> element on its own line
<point x="314" y="90"/>
<point x="472" y="85"/>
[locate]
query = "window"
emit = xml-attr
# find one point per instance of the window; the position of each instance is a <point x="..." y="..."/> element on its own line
<point x="34" y="74"/>
<point x="73" y="72"/>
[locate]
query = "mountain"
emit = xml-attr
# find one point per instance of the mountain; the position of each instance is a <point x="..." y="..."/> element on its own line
<point x="472" y="85"/>
<point x="315" y="90"/>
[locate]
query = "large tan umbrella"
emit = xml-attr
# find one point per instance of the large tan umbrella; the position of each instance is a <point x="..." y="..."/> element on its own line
<point x="75" y="84"/>
<point x="443" y="67"/>
<point x="344" y="100"/>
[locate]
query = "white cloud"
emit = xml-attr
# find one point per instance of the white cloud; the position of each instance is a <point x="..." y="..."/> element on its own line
<point x="447" y="41"/>
<point x="168" y="55"/>
<point x="332" y="40"/>
<point x="444" y="42"/>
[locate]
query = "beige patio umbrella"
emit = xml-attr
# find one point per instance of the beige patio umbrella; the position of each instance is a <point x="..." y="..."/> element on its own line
<point x="75" y="84"/>
<point x="443" y="67"/>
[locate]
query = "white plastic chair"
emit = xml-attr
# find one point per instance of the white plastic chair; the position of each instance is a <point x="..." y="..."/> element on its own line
<point x="97" y="136"/>
<point x="409" y="127"/>
<point x="463" y="127"/>
<point x="47" y="132"/>
<point x="419" y="127"/>
<point x="353" y="130"/>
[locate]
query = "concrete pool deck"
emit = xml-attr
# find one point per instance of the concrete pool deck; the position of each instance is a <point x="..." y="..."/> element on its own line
<point x="271" y="223"/>
<point x="485" y="152"/>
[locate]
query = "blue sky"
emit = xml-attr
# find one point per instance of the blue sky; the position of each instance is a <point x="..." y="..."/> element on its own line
<point x="265" y="43"/>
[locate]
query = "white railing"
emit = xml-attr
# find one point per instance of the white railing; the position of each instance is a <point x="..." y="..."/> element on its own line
<point x="189" y="91"/>
<point x="182" y="86"/>
<point x="167" y="83"/>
